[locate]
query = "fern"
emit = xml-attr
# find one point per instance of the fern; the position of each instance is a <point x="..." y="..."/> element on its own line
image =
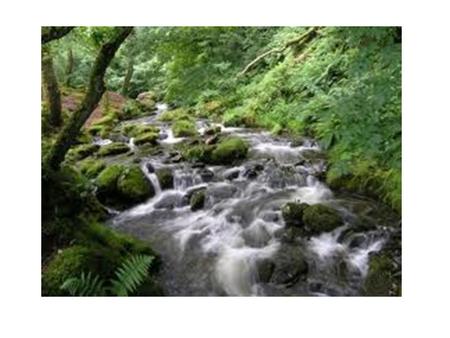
<point x="85" y="285"/>
<point x="129" y="276"/>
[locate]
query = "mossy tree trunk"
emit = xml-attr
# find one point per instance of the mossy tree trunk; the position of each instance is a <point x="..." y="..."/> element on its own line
<point x="51" y="88"/>
<point x="93" y="95"/>
<point x="128" y="76"/>
<point x="69" y="67"/>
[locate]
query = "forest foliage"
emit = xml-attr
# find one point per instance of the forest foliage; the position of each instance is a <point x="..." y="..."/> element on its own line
<point x="340" y="86"/>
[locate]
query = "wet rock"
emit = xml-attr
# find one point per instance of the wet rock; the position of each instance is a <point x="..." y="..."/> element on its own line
<point x="320" y="218"/>
<point x="265" y="269"/>
<point x="290" y="265"/>
<point x="250" y="173"/>
<point x="198" y="165"/>
<point x="290" y="235"/>
<point x="165" y="178"/>
<point x="212" y="139"/>
<point x="163" y="136"/>
<point x="297" y="142"/>
<point x="168" y="202"/>
<point x="197" y="200"/>
<point x="292" y="213"/>
<point x="270" y="217"/>
<point x="187" y="197"/>
<point x="256" y="236"/>
<point x="206" y="175"/>
<point x="150" y="168"/>
<point x="213" y="130"/>
<point x="357" y="241"/>
<point x="220" y="192"/>
<point x="232" y="174"/>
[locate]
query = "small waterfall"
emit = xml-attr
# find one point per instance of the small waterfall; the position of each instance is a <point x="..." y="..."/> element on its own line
<point x="131" y="143"/>
<point x="153" y="179"/>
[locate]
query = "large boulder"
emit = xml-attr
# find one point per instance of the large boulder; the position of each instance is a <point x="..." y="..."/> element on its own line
<point x="134" y="186"/>
<point x="320" y="218"/>
<point x="229" y="151"/>
<point x="123" y="186"/>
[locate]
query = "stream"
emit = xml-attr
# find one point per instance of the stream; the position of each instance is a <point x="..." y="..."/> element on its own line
<point x="238" y="244"/>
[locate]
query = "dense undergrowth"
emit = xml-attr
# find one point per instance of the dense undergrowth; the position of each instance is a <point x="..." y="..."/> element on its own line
<point x="343" y="88"/>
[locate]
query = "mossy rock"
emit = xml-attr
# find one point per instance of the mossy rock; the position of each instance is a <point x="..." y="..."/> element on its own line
<point x="81" y="151"/>
<point x="165" y="178"/>
<point x="71" y="262"/>
<point x="131" y="109"/>
<point x="133" y="186"/>
<point x="135" y="130"/>
<point x="184" y="128"/>
<point x="197" y="200"/>
<point x="147" y="100"/>
<point x="320" y="218"/>
<point x="146" y="138"/>
<point x="175" y="115"/>
<point x="91" y="167"/>
<point x="107" y="120"/>
<point x="379" y="280"/>
<point x="293" y="213"/>
<point x="106" y="181"/>
<point x="198" y="153"/>
<point x="97" y="130"/>
<point x="114" y="148"/>
<point x="229" y="151"/>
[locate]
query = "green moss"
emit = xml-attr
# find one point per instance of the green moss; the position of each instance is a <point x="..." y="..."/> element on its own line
<point x="91" y="167"/>
<point x="197" y="200"/>
<point x="175" y="115"/>
<point x="81" y="151"/>
<point x="379" y="281"/>
<point x="293" y="213"/>
<point x="71" y="262"/>
<point x="106" y="120"/>
<point x="106" y="181"/>
<point x="198" y="153"/>
<point x="131" y="109"/>
<point x="133" y="186"/>
<point x="146" y="138"/>
<point x="320" y="218"/>
<point x="113" y="149"/>
<point x="184" y="128"/>
<point x="229" y="151"/>
<point x="165" y="178"/>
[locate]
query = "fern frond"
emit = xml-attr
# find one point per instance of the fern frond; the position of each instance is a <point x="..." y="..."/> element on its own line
<point x="131" y="274"/>
<point x="85" y="285"/>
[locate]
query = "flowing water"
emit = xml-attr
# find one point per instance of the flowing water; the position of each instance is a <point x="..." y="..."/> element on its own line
<point x="238" y="244"/>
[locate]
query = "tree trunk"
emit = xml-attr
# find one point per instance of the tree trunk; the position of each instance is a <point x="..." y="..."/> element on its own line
<point x="128" y="76"/>
<point x="93" y="95"/>
<point x="69" y="68"/>
<point x="51" y="88"/>
<point x="52" y="33"/>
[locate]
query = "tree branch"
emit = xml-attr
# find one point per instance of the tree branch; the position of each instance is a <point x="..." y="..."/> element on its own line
<point x="52" y="33"/>
<point x="301" y="40"/>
